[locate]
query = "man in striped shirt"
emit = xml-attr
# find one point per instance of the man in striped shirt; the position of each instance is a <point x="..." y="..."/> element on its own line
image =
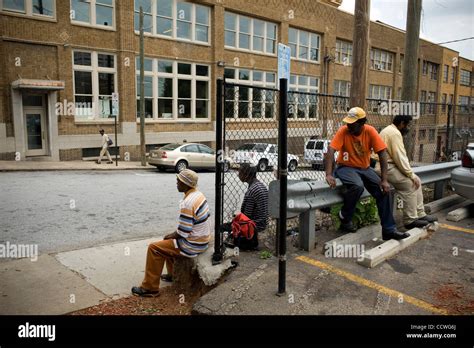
<point x="255" y="203"/>
<point x="190" y="239"/>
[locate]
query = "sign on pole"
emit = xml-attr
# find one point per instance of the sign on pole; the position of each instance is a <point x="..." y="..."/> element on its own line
<point x="284" y="56"/>
<point x="115" y="104"/>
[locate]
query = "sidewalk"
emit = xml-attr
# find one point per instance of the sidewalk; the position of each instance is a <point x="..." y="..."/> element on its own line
<point x="18" y="166"/>
<point x="69" y="281"/>
<point x="409" y="283"/>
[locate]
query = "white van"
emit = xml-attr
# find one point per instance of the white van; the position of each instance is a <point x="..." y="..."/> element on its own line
<point x="314" y="151"/>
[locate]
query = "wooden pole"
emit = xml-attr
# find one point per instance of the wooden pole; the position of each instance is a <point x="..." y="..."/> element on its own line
<point x="360" y="44"/>
<point x="410" y="62"/>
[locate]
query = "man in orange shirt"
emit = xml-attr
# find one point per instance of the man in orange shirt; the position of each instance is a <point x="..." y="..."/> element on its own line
<point x="355" y="141"/>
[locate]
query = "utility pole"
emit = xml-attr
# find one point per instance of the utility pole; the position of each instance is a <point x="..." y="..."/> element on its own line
<point x="410" y="68"/>
<point x="142" y="91"/>
<point x="360" y="44"/>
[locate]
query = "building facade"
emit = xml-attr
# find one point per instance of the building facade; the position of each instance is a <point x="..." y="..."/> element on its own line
<point x="70" y="68"/>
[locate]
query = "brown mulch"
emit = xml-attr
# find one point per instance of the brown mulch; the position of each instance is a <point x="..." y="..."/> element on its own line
<point x="453" y="298"/>
<point x="169" y="302"/>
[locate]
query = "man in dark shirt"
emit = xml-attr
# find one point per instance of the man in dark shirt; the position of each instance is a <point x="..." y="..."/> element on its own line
<point x="255" y="203"/>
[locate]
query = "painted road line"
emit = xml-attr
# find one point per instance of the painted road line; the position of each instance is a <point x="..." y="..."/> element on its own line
<point x="456" y="228"/>
<point x="370" y="284"/>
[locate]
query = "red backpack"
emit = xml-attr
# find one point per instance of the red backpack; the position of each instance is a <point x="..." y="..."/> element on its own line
<point x="242" y="227"/>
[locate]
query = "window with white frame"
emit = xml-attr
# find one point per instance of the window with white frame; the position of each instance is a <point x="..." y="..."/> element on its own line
<point x="380" y="92"/>
<point x="36" y="8"/>
<point x="381" y="60"/>
<point x="431" y="100"/>
<point x="342" y="91"/>
<point x="304" y="45"/>
<point x="97" y="13"/>
<point x="174" y="19"/>
<point x="433" y="70"/>
<point x="444" y="100"/>
<point x="400" y="64"/>
<point x="95" y="80"/>
<point x="303" y="104"/>
<point x="425" y="68"/>
<point x="463" y="102"/>
<point x="254" y="102"/>
<point x="250" y="34"/>
<point x="344" y="52"/>
<point x="174" y="90"/>
<point x="465" y="77"/>
<point x="342" y="88"/>
<point x="445" y="73"/>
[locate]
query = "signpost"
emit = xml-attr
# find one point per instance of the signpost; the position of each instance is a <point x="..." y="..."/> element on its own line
<point x="115" y="111"/>
<point x="284" y="57"/>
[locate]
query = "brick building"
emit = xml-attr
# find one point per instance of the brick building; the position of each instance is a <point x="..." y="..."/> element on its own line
<point x="69" y="65"/>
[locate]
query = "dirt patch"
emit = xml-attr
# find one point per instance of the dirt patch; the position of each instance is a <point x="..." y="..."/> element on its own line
<point x="454" y="299"/>
<point x="170" y="302"/>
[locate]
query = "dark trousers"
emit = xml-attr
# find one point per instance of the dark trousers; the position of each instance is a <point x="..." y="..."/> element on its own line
<point x="355" y="179"/>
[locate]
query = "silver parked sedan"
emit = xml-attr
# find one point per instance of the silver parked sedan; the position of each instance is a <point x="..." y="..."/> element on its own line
<point x="462" y="178"/>
<point x="182" y="156"/>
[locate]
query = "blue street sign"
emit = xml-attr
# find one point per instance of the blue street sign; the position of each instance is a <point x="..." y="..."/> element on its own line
<point x="284" y="56"/>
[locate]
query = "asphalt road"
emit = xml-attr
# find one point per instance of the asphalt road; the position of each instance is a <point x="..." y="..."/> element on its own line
<point x="67" y="210"/>
<point x="62" y="211"/>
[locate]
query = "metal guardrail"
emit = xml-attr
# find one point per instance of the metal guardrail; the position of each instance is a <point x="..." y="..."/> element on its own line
<point x="310" y="195"/>
<point x="306" y="196"/>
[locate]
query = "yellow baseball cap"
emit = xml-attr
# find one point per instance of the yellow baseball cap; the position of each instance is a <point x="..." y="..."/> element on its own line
<point x="354" y="115"/>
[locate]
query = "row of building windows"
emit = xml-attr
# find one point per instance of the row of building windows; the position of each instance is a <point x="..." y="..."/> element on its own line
<point x="176" y="90"/>
<point x="185" y="21"/>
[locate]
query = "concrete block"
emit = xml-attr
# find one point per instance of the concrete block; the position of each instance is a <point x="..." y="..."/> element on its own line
<point x="459" y="214"/>
<point x="377" y="255"/>
<point x="362" y="236"/>
<point x="443" y="203"/>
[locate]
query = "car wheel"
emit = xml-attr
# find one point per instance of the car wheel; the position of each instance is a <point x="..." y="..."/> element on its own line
<point x="180" y="166"/>
<point x="292" y="165"/>
<point x="262" y="165"/>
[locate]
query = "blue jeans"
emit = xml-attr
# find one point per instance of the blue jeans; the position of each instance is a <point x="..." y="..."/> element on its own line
<point x="354" y="180"/>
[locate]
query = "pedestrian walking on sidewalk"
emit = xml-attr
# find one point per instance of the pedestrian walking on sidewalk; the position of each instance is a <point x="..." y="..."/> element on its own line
<point x="106" y="142"/>
<point x="190" y="239"/>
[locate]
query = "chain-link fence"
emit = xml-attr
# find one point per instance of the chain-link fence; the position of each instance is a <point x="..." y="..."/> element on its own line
<point x="250" y="136"/>
<point x="439" y="132"/>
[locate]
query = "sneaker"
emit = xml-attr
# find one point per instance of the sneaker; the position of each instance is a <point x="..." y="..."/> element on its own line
<point x="139" y="291"/>
<point x="420" y="223"/>
<point x="429" y="218"/>
<point x="167" y="278"/>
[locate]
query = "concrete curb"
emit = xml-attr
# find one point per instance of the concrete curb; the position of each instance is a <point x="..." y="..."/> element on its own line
<point x="460" y="213"/>
<point x="362" y="236"/>
<point x="377" y="255"/>
<point x="443" y="203"/>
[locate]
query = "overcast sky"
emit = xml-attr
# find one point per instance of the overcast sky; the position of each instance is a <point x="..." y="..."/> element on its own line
<point x="441" y="20"/>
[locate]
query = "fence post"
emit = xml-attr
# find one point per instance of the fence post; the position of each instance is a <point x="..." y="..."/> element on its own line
<point x="283" y="176"/>
<point x="217" y="256"/>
